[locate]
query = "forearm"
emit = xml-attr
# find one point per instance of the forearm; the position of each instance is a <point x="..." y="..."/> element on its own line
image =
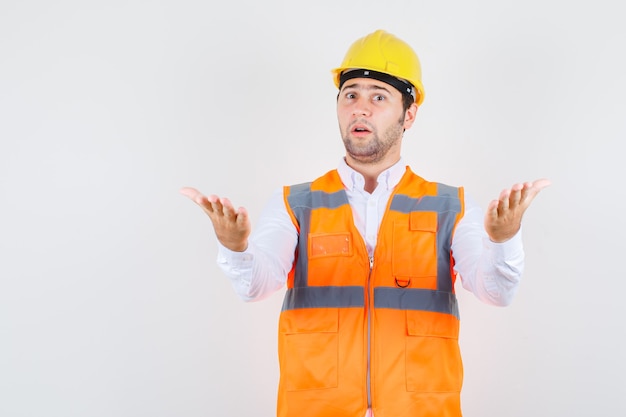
<point x="262" y="268"/>
<point x="252" y="274"/>
<point x="497" y="273"/>
<point x="492" y="271"/>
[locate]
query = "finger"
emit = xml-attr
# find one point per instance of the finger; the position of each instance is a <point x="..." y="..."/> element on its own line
<point x="492" y="209"/>
<point x="189" y="192"/>
<point x="213" y="205"/>
<point x="197" y="197"/>
<point x="531" y="189"/>
<point x="527" y="192"/>
<point x="515" y="195"/>
<point x="503" y="202"/>
<point x="227" y="208"/>
<point x="541" y="183"/>
<point x="242" y="216"/>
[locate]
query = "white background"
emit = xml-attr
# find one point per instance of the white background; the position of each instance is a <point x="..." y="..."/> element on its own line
<point x="110" y="300"/>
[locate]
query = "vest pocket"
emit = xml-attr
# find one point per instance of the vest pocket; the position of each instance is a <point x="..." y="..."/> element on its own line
<point x="433" y="357"/>
<point x="311" y="348"/>
<point x="414" y="254"/>
<point x="330" y="244"/>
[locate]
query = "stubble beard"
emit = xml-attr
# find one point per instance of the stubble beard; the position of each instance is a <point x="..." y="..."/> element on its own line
<point x="377" y="147"/>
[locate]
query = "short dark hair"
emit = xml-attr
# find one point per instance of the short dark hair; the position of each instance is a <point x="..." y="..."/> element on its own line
<point x="407" y="100"/>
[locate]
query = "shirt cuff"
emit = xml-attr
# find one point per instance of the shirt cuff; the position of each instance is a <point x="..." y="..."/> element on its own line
<point x="510" y="249"/>
<point x="232" y="258"/>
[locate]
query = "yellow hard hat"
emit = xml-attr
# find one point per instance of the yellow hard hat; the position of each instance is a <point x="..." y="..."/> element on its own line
<point x="384" y="53"/>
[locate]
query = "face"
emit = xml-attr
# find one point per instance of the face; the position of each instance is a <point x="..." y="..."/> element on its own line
<point x="372" y="120"/>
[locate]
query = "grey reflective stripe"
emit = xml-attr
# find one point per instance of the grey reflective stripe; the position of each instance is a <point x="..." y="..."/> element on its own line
<point x="299" y="200"/>
<point x="302" y="200"/>
<point x="405" y="204"/>
<point x="320" y="199"/>
<point x="444" y="190"/>
<point x="319" y="297"/>
<point x="447" y="205"/>
<point x="416" y="299"/>
<point x="301" y="197"/>
<point x="451" y="206"/>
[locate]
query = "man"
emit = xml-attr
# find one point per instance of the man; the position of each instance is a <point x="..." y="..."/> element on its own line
<point x="370" y="253"/>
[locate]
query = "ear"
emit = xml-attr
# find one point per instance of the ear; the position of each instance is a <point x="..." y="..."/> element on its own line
<point x="409" y="116"/>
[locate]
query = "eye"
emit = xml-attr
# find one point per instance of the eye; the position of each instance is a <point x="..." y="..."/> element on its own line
<point x="378" y="97"/>
<point x="350" y="96"/>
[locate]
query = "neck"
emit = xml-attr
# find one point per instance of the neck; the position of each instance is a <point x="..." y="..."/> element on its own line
<point x="370" y="171"/>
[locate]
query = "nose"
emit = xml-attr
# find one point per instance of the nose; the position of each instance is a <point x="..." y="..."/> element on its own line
<point x="361" y="107"/>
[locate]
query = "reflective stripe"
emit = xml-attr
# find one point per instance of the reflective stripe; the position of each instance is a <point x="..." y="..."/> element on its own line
<point x="444" y="190"/>
<point x="451" y="206"/>
<point x="299" y="200"/>
<point x="302" y="201"/>
<point x="301" y="197"/>
<point x="321" y="199"/>
<point x="319" y="297"/>
<point x="416" y="299"/>
<point x="405" y="204"/>
<point x="384" y="297"/>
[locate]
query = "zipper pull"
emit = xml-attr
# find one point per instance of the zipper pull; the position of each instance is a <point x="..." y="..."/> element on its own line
<point x="371" y="262"/>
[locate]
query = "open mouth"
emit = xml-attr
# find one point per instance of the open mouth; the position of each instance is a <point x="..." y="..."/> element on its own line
<point x="360" y="129"/>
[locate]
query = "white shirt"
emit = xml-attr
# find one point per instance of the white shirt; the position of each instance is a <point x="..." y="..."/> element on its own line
<point x="492" y="271"/>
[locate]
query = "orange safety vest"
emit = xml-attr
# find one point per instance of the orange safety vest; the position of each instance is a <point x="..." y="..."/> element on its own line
<point x="381" y="332"/>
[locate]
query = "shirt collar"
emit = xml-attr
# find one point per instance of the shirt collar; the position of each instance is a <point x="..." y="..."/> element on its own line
<point x="389" y="178"/>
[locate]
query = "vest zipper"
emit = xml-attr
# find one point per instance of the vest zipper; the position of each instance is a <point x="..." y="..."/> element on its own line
<point x="369" y="335"/>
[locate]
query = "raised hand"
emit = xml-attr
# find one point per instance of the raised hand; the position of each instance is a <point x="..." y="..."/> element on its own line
<point x="232" y="227"/>
<point x="504" y="215"/>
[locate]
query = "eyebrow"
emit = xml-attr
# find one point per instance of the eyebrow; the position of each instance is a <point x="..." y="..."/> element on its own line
<point x="361" y="86"/>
